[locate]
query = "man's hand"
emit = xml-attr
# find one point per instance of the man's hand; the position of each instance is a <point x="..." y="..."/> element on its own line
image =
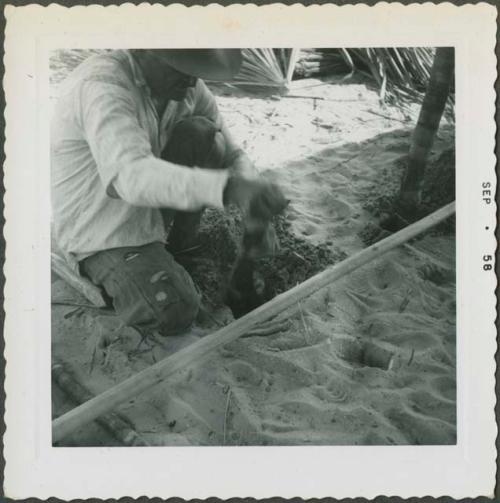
<point x="239" y="164"/>
<point x="257" y="198"/>
<point x="259" y="239"/>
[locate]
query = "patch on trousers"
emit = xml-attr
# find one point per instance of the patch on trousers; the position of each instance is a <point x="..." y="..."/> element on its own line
<point x="158" y="276"/>
<point x="131" y="256"/>
<point x="161" y="296"/>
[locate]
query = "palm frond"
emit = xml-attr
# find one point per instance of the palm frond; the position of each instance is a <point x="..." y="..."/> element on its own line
<point x="397" y="71"/>
<point x="262" y="67"/>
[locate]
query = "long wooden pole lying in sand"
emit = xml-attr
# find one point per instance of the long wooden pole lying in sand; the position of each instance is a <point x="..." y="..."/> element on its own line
<point x="111" y="422"/>
<point x="111" y="398"/>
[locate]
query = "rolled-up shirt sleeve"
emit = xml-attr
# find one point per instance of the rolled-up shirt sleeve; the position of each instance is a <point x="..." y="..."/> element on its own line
<point x="125" y="161"/>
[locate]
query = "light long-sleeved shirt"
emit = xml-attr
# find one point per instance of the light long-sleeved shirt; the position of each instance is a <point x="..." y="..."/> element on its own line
<point x="108" y="181"/>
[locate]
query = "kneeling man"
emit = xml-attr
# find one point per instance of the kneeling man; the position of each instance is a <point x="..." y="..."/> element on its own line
<point x="138" y="147"/>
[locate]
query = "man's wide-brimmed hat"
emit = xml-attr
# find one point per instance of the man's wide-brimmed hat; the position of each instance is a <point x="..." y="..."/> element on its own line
<point x="209" y="64"/>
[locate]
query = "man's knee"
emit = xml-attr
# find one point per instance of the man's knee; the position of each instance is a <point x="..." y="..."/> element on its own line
<point x="196" y="141"/>
<point x="178" y="316"/>
<point x="147" y="287"/>
<point x="174" y="300"/>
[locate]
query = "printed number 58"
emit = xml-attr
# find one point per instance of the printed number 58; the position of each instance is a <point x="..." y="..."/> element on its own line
<point x="487" y="266"/>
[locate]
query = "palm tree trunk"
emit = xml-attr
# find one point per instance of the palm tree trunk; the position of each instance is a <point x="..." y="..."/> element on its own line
<point x="425" y="132"/>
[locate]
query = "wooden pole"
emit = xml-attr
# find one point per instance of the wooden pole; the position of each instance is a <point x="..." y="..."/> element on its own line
<point x="144" y="380"/>
<point x="111" y="422"/>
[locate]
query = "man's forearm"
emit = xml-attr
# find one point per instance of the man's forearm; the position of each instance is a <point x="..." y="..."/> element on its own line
<point x="152" y="182"/>
<point x="239" y="164"/>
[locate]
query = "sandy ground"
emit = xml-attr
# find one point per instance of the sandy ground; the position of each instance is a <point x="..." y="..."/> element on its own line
<point x="368" y="360"/>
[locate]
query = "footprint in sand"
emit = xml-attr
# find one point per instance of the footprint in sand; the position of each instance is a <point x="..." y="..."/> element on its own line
<point x="245" y="374"/>
<point x="425" y="402"/>
<point x="446" y="387"/>
<point x="417" y="340"/>
<point x="309" y="229"/>
<point x="441" y="356"/>
<point x="278" y="427"/>
<point x="450" y="305"/>
<point x="349" y="349"/>
<point x="335" y="207"/>
<point x="436" y="274"/>
<point x="301" y="408"/>
<point x="422" y="430"/>
<point x="337" y="393"/>
<point x="387" y="274"/>
<point x="315" y="177"/>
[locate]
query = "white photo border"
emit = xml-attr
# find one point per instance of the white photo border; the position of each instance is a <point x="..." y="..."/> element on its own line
<point x="34" y="467"/>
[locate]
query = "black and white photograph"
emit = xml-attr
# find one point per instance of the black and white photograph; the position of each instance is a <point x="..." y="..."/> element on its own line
<point x="250" y="251"/>
<point x="190" y="187"/>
